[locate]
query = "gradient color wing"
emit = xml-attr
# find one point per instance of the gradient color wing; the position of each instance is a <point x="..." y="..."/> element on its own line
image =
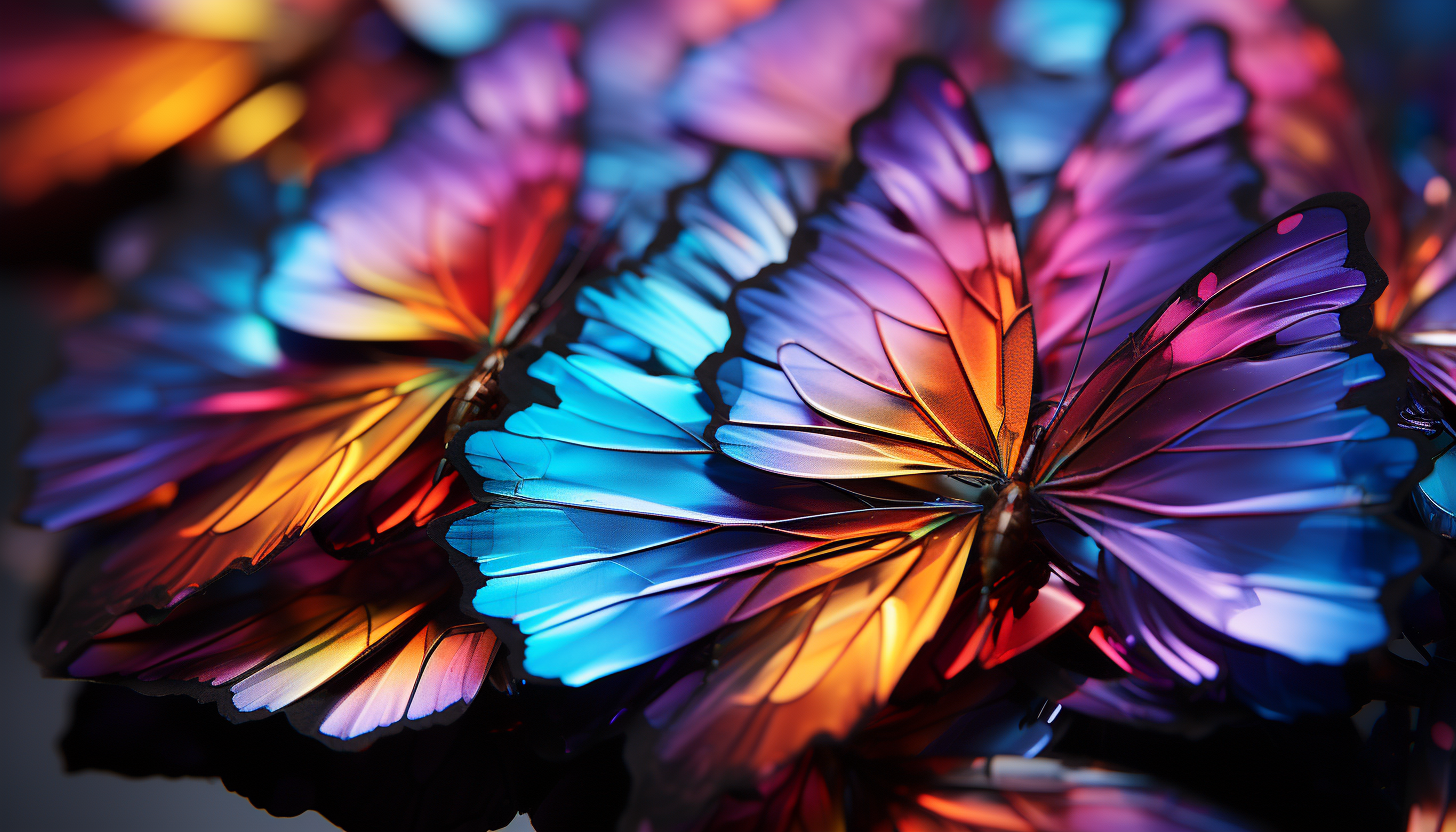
<point x="611" y="534"/>
<point x="240" y="520"/>
<point x="345" y="647"/>
<point x="1237" y="451"/>
<point x="1158" y="187"/>
<point x="452" y="228"/>
<point x="898" y="339"/>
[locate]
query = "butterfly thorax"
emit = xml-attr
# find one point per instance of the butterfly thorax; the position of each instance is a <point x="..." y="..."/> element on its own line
<point x="477" y="394"/>
<point x="1003" y="537"/>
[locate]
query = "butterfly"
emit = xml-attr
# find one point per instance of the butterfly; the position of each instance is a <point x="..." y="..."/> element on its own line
<point x="313" y="389"/>
<point x="813" y="499"/>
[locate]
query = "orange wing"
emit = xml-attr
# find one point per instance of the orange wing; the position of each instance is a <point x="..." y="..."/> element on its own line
<point x="815" y="665"/>
<point x="238" y="522"/>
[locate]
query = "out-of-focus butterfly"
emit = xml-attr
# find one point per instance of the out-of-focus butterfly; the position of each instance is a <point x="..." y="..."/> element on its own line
<point x="84" y="94"/>
<point x="418" y="269"/>
<point x="1234" y="452"/>
<point x="1305" y="129"/>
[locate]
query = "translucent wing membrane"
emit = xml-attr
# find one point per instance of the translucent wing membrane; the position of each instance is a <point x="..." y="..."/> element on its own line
<point x="1237" y="450"/>
<point x="291" y="480"/>
<point x="345" y="647"/>
<point x="897" y="340"/>
<point x="666" y="314"/>
<point x="451" y="229"/>
<point x="814" y="664"/>
<point x="1159" y="185"/>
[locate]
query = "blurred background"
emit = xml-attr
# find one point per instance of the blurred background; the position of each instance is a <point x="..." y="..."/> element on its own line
<point x="110" y="108"/>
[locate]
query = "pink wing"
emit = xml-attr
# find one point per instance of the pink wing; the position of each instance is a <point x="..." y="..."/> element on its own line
<point x="794" y="81"/>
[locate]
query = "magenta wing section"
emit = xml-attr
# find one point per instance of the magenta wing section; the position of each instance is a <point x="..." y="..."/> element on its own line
<point x="1161" y="184"/>
<point x="1237" y="451"/>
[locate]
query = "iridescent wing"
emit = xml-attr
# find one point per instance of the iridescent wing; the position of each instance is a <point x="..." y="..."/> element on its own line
<point x="345" y="647"/>
<point x="289" y="481"/>
<point x="451" y="229"/>
<point x="1161" y="183"/>
<point x="667" y="313"/>
<point x="1238" y="451"/>
<point x="1305" y="129"/>
<point x="898" y="340"/>
<point x="1418" y="312"/>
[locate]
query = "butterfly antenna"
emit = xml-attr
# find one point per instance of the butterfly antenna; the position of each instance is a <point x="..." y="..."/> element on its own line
<point x="1062" y="402"/>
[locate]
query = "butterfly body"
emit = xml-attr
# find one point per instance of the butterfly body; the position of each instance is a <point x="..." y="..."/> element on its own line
<point x="476" y="397"/>
<point x="1004" y="535"/>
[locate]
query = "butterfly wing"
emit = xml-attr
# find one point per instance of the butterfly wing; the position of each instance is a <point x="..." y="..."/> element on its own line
<point x="242" y="519"/>
<point x="899" y="341"/>
<point x="667" y="313"/>
<point x="451" y="229"/>
<point x="1236" y="452"/>
<point x="793" y="81"/>
<point x="653" y="542"/>
<point x="1305" y="128"/>
<point x="615" y="415"/>
<point x="1161" y="182"/>
<point x="345" y="647"/>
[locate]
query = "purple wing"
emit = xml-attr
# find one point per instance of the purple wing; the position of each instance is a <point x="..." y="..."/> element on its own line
<point x="794" y="81"/>
<point x="1161" y="184"/>
<point x="1237" y="451"/>
<point x="899" y="341"/>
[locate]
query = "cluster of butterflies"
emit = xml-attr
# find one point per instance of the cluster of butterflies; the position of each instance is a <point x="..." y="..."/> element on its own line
<point x="627" y="404"/>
